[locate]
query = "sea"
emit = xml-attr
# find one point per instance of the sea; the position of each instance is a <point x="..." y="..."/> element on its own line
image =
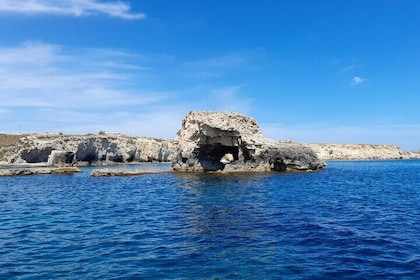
<point x="350" y="220"/>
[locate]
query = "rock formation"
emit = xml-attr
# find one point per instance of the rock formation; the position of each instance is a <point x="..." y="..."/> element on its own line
<point x="207" y="141"/>
<point x="125" y="172"/>
<point x="216" y="141"/>
<point x="85" y="149"/>
<point x="33" y="169"/>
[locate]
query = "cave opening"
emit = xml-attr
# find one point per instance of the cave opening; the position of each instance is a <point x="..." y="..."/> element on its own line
<point x="278" y="164"/>
<point x="210" y="155"/>
<point x="217" y="151"/>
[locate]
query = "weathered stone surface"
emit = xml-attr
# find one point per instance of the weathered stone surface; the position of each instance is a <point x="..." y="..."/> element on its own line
<point x="207" y="137"/>
<point x="61" y="158"/>
<point x="97" y="149"/>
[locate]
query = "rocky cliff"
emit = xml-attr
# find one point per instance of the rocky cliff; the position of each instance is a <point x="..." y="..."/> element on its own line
<point x="58" y="149"/>
<point x="358" y="151"/>
<point x="225" y="141"/>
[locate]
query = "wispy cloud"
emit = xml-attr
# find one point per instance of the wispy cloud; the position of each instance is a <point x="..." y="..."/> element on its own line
<point x="356" y="81"/>
<point x="45" y="87"/>
<point x="48" y="87"/>
<point x="44" y="75"/>
<point x="70" y="8"/>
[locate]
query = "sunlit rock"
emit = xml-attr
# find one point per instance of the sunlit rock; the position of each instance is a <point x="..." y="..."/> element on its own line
<point x="207" y="138"/>
<point x="58" y="149"/>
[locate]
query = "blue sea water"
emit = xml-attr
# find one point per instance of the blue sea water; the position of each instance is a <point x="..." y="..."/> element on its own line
<point x="351" y="220"/>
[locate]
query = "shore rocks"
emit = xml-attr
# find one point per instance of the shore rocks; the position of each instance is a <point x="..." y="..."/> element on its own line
<point x="207" y="138"/>
<point x="34" y="169"/>
<point x="125" y="172"/>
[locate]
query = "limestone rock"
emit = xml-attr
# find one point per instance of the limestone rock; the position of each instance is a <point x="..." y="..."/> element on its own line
<point x="207" y="137"/>
<point x="359" y="151"/>
<point x="34" y="169"/>
<point x="57" y="158"/>
<point x="227" y="158"/>
<point x="86" y="149"/>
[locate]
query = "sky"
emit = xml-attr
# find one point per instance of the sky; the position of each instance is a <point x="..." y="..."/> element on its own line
<point x="326" y="71"/>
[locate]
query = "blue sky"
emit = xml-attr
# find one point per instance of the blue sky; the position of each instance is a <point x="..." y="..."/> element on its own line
<point x="311" y="71"/>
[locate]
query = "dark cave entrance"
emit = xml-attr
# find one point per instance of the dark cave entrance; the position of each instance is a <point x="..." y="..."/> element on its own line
<point x="278" y="164"/>
<point x="210" y="155"/>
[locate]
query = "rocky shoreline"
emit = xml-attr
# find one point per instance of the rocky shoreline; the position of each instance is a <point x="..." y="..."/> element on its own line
<point x="207" y="142"/>
<point x="85" y="149"/>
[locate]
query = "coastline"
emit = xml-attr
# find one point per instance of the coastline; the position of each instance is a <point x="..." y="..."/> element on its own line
<point x="30" y="154"/>
<point x="8" y="170"/>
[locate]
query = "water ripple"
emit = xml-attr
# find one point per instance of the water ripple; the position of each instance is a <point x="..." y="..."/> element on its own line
<point x="353" y="220"/>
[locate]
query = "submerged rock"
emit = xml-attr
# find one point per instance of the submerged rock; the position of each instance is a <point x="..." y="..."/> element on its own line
<point x="125" y="172"/>
<point x="230" y="142"/>
<point x="34" y="169"/>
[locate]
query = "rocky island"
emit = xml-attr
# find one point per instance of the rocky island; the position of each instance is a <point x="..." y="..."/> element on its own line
<point x="230" y="142"/>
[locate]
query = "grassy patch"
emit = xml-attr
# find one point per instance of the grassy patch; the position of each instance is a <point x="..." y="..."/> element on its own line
<point x="9" y="139"/>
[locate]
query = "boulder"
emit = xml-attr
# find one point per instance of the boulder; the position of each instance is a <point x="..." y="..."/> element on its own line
<point x="231" y="142"/>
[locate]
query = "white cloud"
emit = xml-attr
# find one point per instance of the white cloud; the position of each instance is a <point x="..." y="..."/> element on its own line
<point x="356" y="81"/>
<point x="43" y="75"/>
<point x="70" y="8"/>
<point x="46" y="87"/>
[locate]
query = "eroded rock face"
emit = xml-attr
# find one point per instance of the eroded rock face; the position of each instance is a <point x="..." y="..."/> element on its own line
<point x="206" y="138"/>
<point x="61" y="158"/>
<point x="71" y="149"/>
